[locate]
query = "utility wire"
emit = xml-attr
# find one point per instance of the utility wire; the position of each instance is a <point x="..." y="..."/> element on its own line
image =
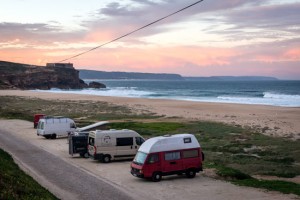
<point x="132" y="31"/>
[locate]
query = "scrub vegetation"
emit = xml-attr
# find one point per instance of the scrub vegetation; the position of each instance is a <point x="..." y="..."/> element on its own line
<point x="15" y="184"/>
<point x="237" y="154"/>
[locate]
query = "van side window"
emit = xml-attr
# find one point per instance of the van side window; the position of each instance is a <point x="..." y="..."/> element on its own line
<point x="187" y="140"/>
<point x="153" y="158"/>
<point x="190" y="153"/>
<point x="139" y="140"/>
<point x="172" y="155"/>
<point x="128" y="141"/>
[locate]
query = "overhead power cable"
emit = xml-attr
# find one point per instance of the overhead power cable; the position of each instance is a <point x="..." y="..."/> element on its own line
<point x="118" y="38"/>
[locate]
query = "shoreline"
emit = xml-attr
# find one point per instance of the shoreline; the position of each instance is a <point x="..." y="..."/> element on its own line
<point x="270" y="120"/>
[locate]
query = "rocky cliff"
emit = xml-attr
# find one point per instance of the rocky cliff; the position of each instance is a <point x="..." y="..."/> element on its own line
<point x="22" y="76"/>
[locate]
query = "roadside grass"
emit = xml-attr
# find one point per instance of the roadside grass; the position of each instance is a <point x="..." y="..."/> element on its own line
<point x="15" y="184"/>
<point x="239" y="178"/>
<point x="275" y="185"/>
<point x="233" y="151"/>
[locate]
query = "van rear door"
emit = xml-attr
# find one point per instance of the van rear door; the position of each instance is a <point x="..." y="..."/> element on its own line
<point x="91" y="146"/>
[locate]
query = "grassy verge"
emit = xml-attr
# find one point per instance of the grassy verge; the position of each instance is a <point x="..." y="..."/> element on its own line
<point x="239" y="178"/>
<point x="235" y="152"/>
<point x="15" y="184"/>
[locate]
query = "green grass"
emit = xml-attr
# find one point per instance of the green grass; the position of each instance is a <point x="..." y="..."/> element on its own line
<point x="15" y="184"/>
<point x="150" y="129"/>
<point x="275" y="185"/>
<point x="239" y="178"/>
<point x="234" y="151"/>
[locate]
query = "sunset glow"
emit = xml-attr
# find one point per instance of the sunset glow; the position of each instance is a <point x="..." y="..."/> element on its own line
<point x="213" y="38"/>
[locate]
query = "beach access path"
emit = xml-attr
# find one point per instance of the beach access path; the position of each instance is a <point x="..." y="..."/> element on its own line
<point x="108" y="181"/>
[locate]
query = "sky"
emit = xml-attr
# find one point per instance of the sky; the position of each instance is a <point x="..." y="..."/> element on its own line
<point x="212" y="38"/>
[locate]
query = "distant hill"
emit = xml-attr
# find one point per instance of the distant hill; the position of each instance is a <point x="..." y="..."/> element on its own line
<point x="92" y="74"/>
<point x="232" y="78"/>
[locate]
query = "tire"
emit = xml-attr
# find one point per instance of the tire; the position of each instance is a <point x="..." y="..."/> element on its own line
<point x="106" y="159"/>
<point x="156" y="177"/>
<point x="53" y="136"/>
<point x="86" y="155"/>
<point x="47" y="136"/>
<point x="190" y="173"/>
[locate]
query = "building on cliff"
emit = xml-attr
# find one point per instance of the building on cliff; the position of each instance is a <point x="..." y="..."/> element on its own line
<point x="64" y="65"/>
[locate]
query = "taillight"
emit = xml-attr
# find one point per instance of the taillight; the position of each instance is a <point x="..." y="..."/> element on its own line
<point x="95" y="150"/>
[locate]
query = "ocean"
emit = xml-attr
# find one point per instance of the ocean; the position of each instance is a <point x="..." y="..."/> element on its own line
<point x="275" y="93"/>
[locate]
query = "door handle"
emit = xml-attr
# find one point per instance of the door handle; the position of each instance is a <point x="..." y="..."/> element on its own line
<point x="172" y="163"/>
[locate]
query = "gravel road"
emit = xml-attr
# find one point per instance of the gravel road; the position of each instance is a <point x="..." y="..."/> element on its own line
<point x="61" y="178"/>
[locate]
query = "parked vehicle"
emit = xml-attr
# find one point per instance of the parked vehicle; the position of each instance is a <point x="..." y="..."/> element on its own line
<point x="107" y="145"/>
<point x="51" y="127"/>
<point x="78" y="141"/>
<point x="36" y="119"/>
<point x="78" y="144"/>
<point x="168" y="155"/>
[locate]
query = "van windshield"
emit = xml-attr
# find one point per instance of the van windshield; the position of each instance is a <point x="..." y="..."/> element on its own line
<point x="40" y="125"/>
<point x="140" y="158"/>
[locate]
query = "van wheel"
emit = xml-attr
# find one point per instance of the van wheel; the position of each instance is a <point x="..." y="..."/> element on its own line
<point x="53" y="136"/>
<point x="190" y="173"/>
<point x="156" y="176"/>
<point x="86" y="155"/>
<point x="106" y="159"/>
<point x="47" y="136"/>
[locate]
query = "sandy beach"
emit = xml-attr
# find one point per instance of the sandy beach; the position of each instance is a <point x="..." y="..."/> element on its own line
<point x="270" y="120"/>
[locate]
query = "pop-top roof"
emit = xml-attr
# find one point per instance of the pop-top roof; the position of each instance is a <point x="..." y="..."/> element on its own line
<point x="87" y="128"/>
<point x="169" y="143"/>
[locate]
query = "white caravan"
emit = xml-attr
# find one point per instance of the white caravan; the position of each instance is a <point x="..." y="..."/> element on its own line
<point x="107" y="145"/>
<point x="51" y="127"/>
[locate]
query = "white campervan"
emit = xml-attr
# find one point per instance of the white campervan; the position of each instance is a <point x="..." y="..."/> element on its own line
<point x="107" y="145"/>
<point x="51" y="127"/>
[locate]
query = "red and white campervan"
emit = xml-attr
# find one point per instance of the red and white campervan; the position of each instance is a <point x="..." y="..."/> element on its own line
<point x="36" y="119"/>
<point x="167" y="155"/>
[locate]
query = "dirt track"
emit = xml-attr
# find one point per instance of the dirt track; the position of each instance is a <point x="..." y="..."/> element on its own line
<point x="117" y="173"/>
